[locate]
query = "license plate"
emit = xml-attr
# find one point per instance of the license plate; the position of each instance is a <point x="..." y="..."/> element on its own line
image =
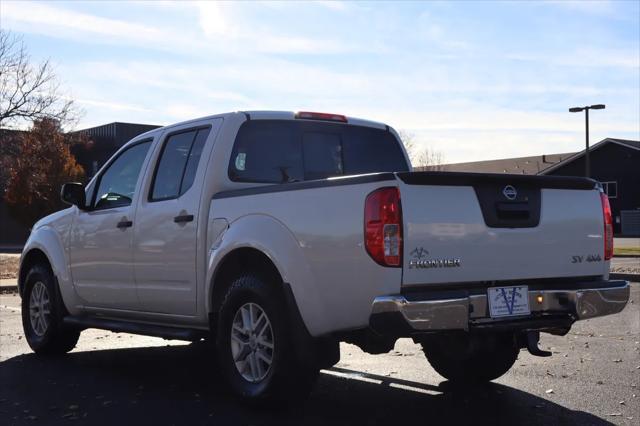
<point x="508" y="301"/>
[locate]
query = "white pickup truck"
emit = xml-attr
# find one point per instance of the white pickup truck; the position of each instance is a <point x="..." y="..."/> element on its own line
<point x="277" y="235"/>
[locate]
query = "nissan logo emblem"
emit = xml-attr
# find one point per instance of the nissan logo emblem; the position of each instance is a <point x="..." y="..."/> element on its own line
<point x="510" y="192"/>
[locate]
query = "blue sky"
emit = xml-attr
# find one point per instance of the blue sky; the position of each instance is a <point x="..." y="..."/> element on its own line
<point x="474" y="80"/>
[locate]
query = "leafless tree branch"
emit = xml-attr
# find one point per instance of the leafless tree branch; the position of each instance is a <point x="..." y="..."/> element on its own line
<point x="29" y="92"/>
<point x="421" y="158"/>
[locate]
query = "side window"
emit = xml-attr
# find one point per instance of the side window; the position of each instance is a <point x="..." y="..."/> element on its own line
<point x="178" y="163"/>
<point x="322" y="155"/>
<point x="368" y="150"/>
<point x="118" y="183"/>
<point x="194" y="159"/>
<point x="266" y="152"/>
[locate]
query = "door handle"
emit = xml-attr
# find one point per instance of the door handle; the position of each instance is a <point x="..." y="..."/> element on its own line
<point x="184" y="218"/>
<point x="125" y="224"/>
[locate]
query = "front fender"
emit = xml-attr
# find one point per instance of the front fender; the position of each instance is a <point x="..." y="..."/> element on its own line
<point x="49" y="241"/>
<point x="271" y="237"/>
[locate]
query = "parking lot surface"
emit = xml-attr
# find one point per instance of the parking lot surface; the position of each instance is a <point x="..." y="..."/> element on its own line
<point x="593" y="377"/>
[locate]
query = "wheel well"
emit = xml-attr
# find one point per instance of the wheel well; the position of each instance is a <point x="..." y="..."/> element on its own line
<point x="235" y="263"/>
<point x="33" y="257"/>
<point x="322" y="352"/>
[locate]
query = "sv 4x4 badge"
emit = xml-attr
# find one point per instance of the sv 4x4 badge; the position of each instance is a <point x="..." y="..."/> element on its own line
<point x="590" y="258"/>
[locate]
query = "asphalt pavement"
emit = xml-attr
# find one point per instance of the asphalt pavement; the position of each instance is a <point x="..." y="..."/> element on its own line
<point x="593" y="377"/>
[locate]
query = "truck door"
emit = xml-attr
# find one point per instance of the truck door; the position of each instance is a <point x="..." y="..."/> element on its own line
<point x="101" y="237"/>
<point x="166" y="231"/>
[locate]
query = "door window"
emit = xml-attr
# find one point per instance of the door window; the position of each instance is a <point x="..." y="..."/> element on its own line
<point x="117" y="184"/>
<point x="178" y="164"/>
<point x="266" y="151"/>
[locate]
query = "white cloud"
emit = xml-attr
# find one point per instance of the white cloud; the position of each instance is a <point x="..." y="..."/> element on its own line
<point x="227" y="22"/>
<point x="332" y="4"/>
<point x="40" y="16"/>
<point x="216" y="19"/>
<point x="590" y="57"/>
<point x="222" y="23"/>
<point x="593" y="7"/>
<point x="112" y="105"/>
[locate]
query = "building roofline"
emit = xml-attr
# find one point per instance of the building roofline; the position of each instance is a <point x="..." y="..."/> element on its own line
<point x="592" y="148"/>
<point x="115" y="123"/>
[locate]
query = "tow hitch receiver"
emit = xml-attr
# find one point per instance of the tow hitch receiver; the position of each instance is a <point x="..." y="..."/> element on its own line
<point x="533" y="337"/>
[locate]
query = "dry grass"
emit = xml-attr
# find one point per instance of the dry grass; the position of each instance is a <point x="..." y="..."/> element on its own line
<point x="626" y="250"/>
<point x="9" y="264"/>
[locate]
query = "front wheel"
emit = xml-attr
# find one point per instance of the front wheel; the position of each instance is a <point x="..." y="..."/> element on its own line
<point x="42" y="314"/>
<point x="255" y="344"/>
<point x="476" y="358"/>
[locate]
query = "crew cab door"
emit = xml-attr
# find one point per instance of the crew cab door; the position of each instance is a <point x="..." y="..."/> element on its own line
<point x="166" y="232"/>
<point x="102" y="236"/>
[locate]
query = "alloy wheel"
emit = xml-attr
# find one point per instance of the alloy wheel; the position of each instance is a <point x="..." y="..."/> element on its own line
<point x="39" y="309"/>
<point x="252" y="342"/>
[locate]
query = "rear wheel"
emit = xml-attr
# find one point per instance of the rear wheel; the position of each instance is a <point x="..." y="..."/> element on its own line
<point x="476" y="358"/>
<point x="42" y="314"/>
<point x="255" y="344"/>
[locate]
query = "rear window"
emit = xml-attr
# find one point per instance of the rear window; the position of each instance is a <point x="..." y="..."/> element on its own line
<point x="282" y="151"/>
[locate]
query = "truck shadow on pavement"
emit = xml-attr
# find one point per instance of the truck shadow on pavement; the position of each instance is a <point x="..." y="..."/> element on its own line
<point x="180" y="385"/>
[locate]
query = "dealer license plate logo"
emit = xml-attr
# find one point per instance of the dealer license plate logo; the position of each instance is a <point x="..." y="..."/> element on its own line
<point x="508" y="301"/>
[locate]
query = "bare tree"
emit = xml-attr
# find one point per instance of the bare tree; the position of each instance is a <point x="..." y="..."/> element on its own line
<point x="430" y="159"/>
<point x="427" y="158"/>
<point x="408" y="140"/>
<point x="29" y="92"/>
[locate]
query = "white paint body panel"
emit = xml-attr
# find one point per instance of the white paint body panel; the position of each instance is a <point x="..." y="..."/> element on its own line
<point x="314" y="237"/>
<point x="101" y="259"/>
<point x="100" y="253"/>
<point x="164" y="251"/>
<point x="447" y="222"/>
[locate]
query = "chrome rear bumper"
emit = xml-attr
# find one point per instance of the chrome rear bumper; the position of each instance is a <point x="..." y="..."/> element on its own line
<point x="460" y="310"/>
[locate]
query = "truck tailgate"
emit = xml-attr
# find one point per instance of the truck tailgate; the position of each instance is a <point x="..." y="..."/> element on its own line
<point x="464" y="227"/>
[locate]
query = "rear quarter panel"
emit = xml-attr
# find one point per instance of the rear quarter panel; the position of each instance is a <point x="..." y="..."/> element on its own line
<point x="315" y="239"/>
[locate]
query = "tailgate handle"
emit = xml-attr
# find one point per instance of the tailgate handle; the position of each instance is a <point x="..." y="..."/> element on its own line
<point x="513" y="210"/>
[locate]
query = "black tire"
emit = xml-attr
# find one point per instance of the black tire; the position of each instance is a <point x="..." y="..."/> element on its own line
<point x="471" y="359"/>
<point x="54" y="338"/>
<point x="286" y="380"/>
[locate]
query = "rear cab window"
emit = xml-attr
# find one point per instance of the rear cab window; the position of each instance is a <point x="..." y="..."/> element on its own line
<point x="283" y="151"/>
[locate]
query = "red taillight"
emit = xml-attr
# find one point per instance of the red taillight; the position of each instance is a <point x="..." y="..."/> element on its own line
<point x="608" y="226"/>
<point x="383" y="226"/>
<point x="306" y="115"/>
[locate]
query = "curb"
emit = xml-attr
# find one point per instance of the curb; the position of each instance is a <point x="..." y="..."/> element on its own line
<point x="626" y="256"/>
<point x="626" y="277"/>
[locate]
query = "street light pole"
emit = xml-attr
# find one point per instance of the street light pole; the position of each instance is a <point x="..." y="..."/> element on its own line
<point x="587" y="164"/>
